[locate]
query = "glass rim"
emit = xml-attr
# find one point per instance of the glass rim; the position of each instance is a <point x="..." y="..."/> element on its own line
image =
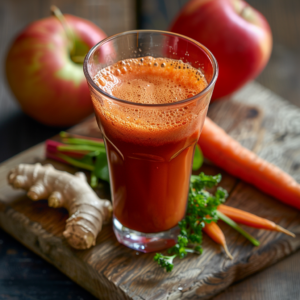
<point x="112" y="37"/>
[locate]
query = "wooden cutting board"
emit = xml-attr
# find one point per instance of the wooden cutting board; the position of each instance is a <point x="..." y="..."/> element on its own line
<point x="261" y="121"/>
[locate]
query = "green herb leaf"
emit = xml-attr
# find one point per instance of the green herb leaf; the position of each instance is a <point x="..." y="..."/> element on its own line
<point x="89" y="158"/>
<point x="165" y="261"/>
<point x="101" y="167"/>
<point x="201" y="208"/>
<point x="80" y="148"/>
<point x="198" y="158"/>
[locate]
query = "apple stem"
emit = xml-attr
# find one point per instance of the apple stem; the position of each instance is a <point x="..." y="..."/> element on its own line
<point x="78" y="59"/>
<point x="70" y="35"/>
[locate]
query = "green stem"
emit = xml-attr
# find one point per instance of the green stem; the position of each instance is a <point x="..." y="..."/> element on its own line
<point x="78" y="141"/>
<point x="70" y="35"/>
<point x="79" y="148"/>
<point x="238" y="228"/>
<point x="78" y="59"/>
<point x="75" y="162"/>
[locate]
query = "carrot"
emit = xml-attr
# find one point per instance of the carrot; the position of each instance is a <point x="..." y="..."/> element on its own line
<point x="251" y="220"/>
<point x="216" y="234"/>
<point x="228" y="154"/>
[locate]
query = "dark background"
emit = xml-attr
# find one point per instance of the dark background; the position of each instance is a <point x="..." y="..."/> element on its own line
<point x="23" y="275"/>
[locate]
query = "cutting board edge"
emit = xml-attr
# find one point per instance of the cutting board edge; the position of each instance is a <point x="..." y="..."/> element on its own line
<point x="43" y="242"/>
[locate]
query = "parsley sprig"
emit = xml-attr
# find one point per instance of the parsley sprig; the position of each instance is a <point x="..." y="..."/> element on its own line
<point x="201" y="209"/>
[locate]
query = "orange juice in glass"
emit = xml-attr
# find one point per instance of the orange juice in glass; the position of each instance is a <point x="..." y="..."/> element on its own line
<point x="150" y="91"/>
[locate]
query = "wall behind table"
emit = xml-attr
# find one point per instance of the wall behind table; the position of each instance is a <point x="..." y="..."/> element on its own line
<point x="17" y="131"/>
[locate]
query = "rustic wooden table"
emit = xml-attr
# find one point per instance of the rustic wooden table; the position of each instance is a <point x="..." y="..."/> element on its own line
<point x="23" y="275"/>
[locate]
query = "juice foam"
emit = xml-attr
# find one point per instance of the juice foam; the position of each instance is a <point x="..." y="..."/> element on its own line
<point x="155" y="81"/>
<point x="151" y="80"/>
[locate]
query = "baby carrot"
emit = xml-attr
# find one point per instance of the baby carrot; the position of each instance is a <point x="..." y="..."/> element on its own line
<point x="227" y="153"/>
<point x="216" y="234"/>
<point x="251" y="220"/>
<point x="235" y="226"/>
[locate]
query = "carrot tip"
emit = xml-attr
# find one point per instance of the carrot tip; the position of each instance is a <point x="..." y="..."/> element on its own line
<point x="227" y="252"/>
<point x="280" y="229"/>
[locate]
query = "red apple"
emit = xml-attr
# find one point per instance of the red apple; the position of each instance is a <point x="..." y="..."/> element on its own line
<point x="238" y="36"/>
<point x="45" y="80"/>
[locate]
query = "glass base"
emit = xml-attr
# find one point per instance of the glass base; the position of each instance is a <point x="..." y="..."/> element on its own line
<point x="145" y="242"/>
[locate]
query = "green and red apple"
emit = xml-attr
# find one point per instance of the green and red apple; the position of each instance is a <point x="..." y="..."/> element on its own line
<point x="43" y="73"/>
<point x="238" y="36"/>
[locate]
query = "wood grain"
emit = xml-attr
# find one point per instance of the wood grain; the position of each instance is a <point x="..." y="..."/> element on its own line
<point x="112" y="271"/>
<point x="268" y="284"/>
<point x="281" y="126"/>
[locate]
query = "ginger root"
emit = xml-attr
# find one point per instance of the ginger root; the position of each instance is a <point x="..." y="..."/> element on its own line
<point x="87" y="211"/>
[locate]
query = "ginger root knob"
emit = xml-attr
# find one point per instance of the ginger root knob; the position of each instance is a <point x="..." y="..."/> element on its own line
<point x="86" y="210"/>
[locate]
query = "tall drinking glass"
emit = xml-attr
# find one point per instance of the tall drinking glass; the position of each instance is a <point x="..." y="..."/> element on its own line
<point x="149" y="147"/>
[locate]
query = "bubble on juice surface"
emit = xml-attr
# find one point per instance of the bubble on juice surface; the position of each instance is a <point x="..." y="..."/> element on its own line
<point x="149" y="80"/>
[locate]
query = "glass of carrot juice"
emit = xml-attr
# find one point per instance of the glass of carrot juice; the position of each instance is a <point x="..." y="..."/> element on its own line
<point x="150" y="90"/>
